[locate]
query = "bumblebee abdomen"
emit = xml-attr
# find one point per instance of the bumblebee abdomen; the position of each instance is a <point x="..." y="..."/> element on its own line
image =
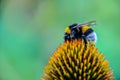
<point x="87" y="32"/>
<point x="92" y="37"/>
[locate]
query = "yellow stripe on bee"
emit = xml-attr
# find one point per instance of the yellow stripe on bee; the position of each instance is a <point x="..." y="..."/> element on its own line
<point x="67" y="30"/>
<point x="85" y="28"/>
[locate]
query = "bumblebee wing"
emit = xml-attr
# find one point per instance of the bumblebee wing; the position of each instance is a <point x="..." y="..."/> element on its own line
<point x="91" y="23"/>
<point x="73" y="25"/>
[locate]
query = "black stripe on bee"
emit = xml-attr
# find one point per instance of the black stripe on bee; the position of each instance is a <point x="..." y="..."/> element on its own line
<point x="88" y="32"/>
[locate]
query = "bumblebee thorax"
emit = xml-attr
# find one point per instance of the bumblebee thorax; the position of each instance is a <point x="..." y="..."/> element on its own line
<point x="67" y="30"/>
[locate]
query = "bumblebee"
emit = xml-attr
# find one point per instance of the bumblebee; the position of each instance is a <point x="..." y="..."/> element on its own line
<point x="81" y="31"/>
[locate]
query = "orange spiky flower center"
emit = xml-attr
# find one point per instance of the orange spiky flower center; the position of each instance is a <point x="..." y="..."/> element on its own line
<point x="75" y="61"/>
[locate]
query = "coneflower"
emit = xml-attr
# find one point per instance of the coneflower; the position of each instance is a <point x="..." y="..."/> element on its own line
<point x="76" y="61"/>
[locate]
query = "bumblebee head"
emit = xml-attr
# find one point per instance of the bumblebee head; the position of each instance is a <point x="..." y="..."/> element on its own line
<point x="69" y="28"/>
<point x="69" y="32"/>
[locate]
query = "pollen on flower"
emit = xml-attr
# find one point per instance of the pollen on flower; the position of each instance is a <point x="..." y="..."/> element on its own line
<point x="75" y="61"/>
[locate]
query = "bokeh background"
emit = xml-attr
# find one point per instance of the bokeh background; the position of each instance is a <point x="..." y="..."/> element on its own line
<point x="31" y="30"/>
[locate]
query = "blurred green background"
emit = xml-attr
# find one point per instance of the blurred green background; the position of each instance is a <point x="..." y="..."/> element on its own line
<point x="31" y="30"/>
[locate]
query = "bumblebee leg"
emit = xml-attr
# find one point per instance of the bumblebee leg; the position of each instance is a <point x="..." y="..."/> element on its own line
<point x="85" y="40"/>
<point x="67" y="37"/>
